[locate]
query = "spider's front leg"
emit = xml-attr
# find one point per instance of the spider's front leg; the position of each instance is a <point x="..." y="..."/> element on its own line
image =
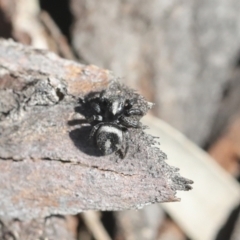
<point x="127" y="139"/>
<point x="93" y="118"/>
<point x="128" y="122"/>
<point x="123" y="152"/>
<point x="134" y="111"/>
<point x="96" y="107"/>
<point x="94" y="129"/>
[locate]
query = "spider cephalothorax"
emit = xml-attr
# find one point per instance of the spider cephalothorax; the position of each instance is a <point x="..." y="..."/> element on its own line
<point x="111" y="120"/>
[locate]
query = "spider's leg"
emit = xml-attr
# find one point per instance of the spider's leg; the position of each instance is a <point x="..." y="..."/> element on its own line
<point x="134" y="111"/>
<point x="93" y="118"/>
<point x="96" y="107"/>
<point x="94" y="129"/>
<point x="102" y="94"/>
<point x="127" y="122"/>
<point x="82" y="101"/>
<point x="127" y="138"/>
<point x="123" y="152"/>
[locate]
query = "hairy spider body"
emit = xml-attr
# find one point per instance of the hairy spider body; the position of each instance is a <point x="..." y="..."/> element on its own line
<point x="111" y="123"/>
<point x="110" y="138"/>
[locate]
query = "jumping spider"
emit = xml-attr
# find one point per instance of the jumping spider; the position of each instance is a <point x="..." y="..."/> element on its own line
<point x="112" y="118"/>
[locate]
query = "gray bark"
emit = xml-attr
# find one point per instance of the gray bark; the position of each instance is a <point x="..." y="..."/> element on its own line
<point x="47" y="165"/>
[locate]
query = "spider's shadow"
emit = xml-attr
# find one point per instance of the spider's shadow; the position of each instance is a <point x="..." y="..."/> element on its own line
<point x="80" y="135"/>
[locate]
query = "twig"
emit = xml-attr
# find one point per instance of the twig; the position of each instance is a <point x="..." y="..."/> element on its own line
<point x="59" y="39"/>
<point x="93" y="223"/>
<point x="27" y="12"/>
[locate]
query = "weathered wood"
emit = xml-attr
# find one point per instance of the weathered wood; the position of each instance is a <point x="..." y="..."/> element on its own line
<point x="47" y="165"/>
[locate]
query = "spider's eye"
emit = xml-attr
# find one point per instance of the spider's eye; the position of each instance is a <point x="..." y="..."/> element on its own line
<point x="127" y="103"/>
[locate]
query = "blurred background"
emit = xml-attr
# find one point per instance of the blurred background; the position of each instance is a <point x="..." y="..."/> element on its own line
<point x="182" y="55"/>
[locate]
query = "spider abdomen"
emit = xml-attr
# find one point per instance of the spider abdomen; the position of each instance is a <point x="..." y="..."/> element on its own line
<point x="109" y="139"/>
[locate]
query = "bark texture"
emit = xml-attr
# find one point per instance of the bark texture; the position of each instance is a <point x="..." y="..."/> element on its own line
<point x="47" y="164"/>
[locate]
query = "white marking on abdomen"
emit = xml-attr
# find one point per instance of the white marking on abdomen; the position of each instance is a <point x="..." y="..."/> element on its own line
<point x="111" y="129"/>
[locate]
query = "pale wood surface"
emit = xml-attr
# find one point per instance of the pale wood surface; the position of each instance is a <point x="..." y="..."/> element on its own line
<point x="202" y="212"/>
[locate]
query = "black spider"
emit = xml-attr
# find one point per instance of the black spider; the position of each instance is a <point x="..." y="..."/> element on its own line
<point x="112" y="118"/>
